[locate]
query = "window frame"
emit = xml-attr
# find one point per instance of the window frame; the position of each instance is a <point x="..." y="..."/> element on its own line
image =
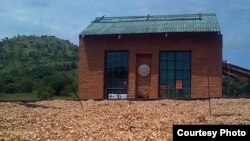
<point x="175" y="72"/>
<point x="105" y="94"/>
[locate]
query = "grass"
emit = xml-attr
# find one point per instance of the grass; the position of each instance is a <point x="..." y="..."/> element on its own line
<point x="19" y="96"/>
<point x="71" y="97"/>
<point x="31" y="96"/>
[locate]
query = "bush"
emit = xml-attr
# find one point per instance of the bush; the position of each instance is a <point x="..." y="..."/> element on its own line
<point x="43" y="71"/>
<point x="59" y="83"/>
<point x="25" y="85"/>
<point x="66" y="90"/>
<point x="247" y="89"/>
<point x="45" y="93"/>
<point x="1" y="86"/>
<point x="10" y="88"/>
<point x="72" y="96"/>
<point x="235" y="87"/>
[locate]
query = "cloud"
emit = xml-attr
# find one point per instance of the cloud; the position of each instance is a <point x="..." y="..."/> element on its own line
<point x="66" y="19"/>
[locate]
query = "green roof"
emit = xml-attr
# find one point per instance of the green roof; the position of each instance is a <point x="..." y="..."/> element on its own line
<point x="153" y="24"/>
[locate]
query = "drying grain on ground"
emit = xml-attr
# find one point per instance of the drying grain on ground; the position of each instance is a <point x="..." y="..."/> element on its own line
<point x="113" y="120"/>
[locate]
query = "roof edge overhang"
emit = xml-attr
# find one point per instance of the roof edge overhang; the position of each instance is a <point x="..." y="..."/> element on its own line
<point x="153" y="33"/>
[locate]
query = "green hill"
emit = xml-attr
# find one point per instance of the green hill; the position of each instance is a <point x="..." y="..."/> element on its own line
<point x="35" y="64"/>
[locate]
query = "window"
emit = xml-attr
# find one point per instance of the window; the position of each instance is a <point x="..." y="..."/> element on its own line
<point x="175" y="78"/>
<point x="116" y="73"/>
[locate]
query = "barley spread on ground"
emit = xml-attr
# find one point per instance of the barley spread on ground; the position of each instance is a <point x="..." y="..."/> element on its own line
<point x="113" y="120"/>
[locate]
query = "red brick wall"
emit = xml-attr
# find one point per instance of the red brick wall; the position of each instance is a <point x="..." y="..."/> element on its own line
<point x="206" y="51"/>
<point x="143" y="83"/>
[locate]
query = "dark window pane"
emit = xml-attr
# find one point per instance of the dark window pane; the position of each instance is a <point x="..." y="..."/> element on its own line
<point x="186" y="65"/>
<point x="186" y="93"/>
<point x="163" y="65"/>
<point x="179" y="75"/>
<point x="186" y="74"/>
<point x="171" y="83"/>
<point x="171" y="56"/>
<point x="126" y="73"/>
<point x="163" y="93"/>
<point x="180" y="93"/>
<point x="179" y="65"/>
<point x="108" y="83"/>
<point x="170" y="65"/>
<point x="163" y="77"/>
<point x="179" y="56"/>
<point x="122" y="74"/>
<point x="171" y="93"/>
<point x="116" y="71"/>
<point x="164" y="56"/>
<point x="170" y="74"/>
<point x="186" y="56"/>
<point x="186" y="83"/>
<point x="178" y="68"/>
<point x="163" y="81"/>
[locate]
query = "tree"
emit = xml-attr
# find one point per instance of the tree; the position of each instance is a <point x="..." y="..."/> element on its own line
<point x="26" y="85"/>
<point x="10" y="88"/>
<point x="247" y="89"/>
<point x="28" y="63"/>
<point x="43" y="71"/>
<point x="59" y="84"/>
<point x="45" y="93"/>
<point x="234" y="87"/>
<point x="1" y="86"/>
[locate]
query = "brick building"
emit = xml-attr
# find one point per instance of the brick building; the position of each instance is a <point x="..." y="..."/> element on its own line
<point x="151" y="57"/>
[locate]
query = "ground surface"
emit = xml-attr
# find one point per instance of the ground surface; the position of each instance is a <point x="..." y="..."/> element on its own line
<point x="113" y="120"/>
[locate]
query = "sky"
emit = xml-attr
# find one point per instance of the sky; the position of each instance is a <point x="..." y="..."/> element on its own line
<point x="65" y="19"/>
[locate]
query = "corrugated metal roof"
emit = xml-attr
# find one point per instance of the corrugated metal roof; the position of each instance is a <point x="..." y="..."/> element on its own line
<point x="153" y="24"/>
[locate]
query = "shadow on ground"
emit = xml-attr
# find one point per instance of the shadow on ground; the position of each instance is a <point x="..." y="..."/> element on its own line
<point x="34" y="105"/>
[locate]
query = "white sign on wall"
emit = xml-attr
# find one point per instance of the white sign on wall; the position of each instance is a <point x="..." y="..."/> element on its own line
<point x="118" y="96"/>
<point x="123" y="96"/>
<point x="143" y="70"/>
<point x="113" y="96"/>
